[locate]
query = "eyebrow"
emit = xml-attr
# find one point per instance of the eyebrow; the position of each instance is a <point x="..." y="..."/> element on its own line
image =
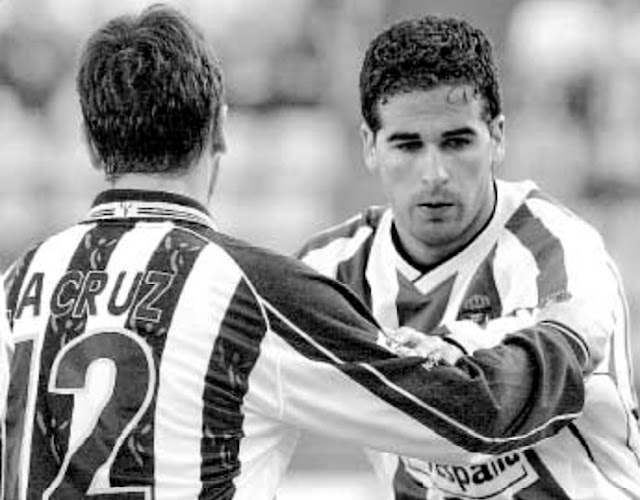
<point x="412" y="136"/>
<point x="403" y="136"/>
<point x="459" y="131"/>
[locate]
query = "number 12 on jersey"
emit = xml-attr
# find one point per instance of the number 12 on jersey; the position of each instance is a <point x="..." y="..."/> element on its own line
<point x="111" y="375"/>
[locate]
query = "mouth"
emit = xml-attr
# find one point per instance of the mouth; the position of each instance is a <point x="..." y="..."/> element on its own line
<point x="436" y="211"/>
<point x="436" y="205"/>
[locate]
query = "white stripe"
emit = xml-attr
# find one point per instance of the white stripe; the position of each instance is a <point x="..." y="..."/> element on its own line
<point x="385" y="381"/>
<point x="196" y="323"/>
<point x="381" y="274"/>
<point x="53" y="256"/>
<point x="515" y="274"/>
<point x="266" y="449"/>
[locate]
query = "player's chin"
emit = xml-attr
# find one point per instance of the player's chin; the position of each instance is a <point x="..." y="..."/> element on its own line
<point x="439" y="233"/>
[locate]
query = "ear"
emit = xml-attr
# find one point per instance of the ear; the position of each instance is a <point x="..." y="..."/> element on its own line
<point x="368" y="137"/>
<point x="94" y="157"/>
<point x="218" y="135"/>
<point x="497" y="134"/>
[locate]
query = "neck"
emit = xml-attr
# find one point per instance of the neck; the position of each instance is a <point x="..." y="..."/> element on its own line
<point x="194" y="182"/>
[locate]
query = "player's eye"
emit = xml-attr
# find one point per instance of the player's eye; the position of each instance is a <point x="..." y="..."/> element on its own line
<point x="409" y="146"/>
<point x="456" y="143"/>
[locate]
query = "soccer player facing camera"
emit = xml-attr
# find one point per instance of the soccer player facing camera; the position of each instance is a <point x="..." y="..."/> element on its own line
<point x="463" y="254"/>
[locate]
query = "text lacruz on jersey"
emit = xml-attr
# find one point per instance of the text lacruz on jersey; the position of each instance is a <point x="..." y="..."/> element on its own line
<point x="76" y="294"/>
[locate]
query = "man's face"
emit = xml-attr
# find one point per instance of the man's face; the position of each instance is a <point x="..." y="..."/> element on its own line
<point x="435" y="156"/>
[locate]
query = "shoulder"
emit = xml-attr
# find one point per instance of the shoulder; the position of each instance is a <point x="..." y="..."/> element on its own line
<point x="342" y="241"/>
<point x="547" y="243"/>
<point x="263" y="268"/>
<point x="290" y="285"/>
<point x="541" y="220"/>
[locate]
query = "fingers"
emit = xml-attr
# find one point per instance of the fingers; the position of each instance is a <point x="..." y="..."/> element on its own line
<point x="406" y="341"/>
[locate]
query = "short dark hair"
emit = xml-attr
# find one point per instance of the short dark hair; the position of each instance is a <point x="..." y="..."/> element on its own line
<point x="151" y="92"/>
<point x="423" y="53"/>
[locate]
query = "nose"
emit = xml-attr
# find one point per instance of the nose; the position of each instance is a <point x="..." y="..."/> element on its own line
<point x="433" y="170"/>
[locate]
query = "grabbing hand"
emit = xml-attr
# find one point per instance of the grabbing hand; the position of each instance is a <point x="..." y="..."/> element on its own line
<point x="406" y="341"/>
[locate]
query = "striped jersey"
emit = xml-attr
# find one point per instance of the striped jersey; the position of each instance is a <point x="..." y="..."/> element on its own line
<point x="534" y="266"/>
<point x="158" y="358"/>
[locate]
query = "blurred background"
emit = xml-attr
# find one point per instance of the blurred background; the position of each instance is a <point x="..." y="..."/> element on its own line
<point x="571" y="82"/>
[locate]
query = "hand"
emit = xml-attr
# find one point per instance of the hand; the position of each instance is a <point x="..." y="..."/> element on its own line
<point x="406" y="341"/>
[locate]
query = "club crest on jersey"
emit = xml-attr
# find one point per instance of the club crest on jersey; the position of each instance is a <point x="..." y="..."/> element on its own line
<point x="476" y="308"/>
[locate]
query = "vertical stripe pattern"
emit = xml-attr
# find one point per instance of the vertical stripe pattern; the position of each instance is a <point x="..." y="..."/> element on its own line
<point x="53" y="412"/>
<point x="179" y="412"/>
<point x="151" y="318"/>
<point x="233" y="358"/>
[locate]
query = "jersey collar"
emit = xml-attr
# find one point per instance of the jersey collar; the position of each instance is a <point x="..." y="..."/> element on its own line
<point x="509" y="197"/>
<point x="148" y="205"/>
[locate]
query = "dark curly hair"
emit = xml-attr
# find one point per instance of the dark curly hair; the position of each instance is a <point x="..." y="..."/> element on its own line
<point x="150" y="91"/>
<point x="420" y="54"/>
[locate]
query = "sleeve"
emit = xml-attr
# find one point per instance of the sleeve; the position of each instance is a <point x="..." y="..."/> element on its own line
<point x="334" y="379"/>
<point x="587" y="305"/>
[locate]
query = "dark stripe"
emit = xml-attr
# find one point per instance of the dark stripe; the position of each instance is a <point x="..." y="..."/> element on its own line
<point x="15" y="278"/>
<point x="482" y="300"/>
<point x="576" y="433"/>
<point x="546" y="250"/>
<point x="234" y="355"/>
<point x="175" y="255"/>
<point x="405" y="487"/>
<point x="613" y="358"/>
<point x="53" y="412"/>
<point x="423" y="312"/>
<point x="15" y="419"/>
<point x="545" y="487"/>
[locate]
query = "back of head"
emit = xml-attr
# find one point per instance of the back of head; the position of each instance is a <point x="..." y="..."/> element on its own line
<point x="151" y="92"/>
<point x="423" y="53"/>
